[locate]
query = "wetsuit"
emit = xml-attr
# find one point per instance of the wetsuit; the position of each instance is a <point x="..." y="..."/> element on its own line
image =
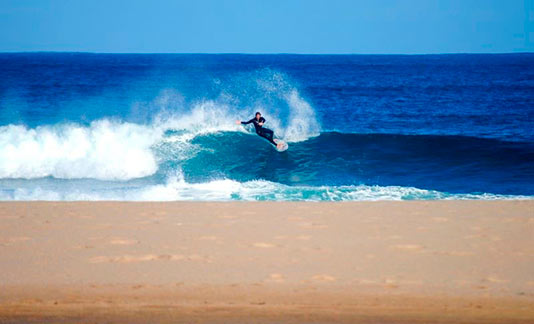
<point x="263" y="132"/>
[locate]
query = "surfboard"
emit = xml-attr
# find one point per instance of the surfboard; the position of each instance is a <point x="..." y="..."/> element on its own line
<point x="283" y="147"/>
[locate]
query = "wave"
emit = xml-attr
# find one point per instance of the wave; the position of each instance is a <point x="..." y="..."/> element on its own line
<point x="119" y="151"/>
<point x="109" y="149"/>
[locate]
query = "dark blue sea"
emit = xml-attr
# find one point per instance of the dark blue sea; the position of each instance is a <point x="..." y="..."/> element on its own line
<point x="81" y="126"/>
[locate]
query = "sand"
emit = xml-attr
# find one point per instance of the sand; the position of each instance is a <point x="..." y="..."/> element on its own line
<point x="272" y="262"/>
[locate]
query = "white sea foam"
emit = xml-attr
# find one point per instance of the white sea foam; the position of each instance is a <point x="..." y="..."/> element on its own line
<point x="102" y="150"/>
<point x="176" y="188"/>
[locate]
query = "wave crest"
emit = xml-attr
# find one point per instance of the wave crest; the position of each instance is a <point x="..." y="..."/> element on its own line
<point x="104" y="150"/>
<point x="117" y="150"/>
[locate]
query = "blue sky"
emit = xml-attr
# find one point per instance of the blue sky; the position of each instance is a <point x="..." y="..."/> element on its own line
<point x="268" y="26"/>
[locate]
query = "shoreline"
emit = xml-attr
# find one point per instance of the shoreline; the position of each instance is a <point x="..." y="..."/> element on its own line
<point x="262" y="262"/>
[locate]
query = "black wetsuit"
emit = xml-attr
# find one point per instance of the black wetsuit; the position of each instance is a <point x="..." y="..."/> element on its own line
<point x="263" y="132"/>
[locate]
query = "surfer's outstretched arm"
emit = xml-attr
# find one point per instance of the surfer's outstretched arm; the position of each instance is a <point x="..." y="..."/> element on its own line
<point x="245" y="122"/>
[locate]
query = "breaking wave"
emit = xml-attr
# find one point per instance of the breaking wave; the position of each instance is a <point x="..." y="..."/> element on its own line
<point x="109" y="149"/>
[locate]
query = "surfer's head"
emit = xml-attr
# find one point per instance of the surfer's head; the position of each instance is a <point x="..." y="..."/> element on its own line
<point x="258" y="115"/>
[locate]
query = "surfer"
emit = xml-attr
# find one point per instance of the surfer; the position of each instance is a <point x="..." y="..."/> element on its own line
<point x="258" y="122"/>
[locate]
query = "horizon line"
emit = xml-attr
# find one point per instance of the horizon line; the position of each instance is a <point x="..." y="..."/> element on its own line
<point x="260" y="53"/>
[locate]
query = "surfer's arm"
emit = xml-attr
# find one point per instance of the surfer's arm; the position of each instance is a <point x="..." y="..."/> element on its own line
<point x="247" y="122"/>
<point x="262" y="121"/>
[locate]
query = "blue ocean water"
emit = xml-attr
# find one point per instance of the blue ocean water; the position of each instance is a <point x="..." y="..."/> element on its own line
<point x="81" y="126"/>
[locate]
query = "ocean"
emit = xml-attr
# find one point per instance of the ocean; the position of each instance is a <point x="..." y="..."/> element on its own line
<point x="160" y="127"/>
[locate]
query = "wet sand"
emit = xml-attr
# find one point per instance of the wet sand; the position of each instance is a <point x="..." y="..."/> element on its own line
<point x="248" y="262"/>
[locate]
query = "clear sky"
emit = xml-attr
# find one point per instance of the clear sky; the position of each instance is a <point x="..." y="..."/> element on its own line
<point x="268" y="26"/>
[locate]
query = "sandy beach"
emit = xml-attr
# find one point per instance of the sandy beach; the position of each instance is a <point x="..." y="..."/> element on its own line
<point x="255" y="262"/>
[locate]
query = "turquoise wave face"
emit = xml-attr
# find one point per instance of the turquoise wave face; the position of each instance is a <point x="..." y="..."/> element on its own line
<point x="151" y="164"/>
<point x="162" y="127"/>
<point x="334" y="159"/>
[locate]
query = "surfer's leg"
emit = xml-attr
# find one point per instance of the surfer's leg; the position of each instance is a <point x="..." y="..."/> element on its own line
<point x="270" y="139"/>
<point x="268" y="135"/>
